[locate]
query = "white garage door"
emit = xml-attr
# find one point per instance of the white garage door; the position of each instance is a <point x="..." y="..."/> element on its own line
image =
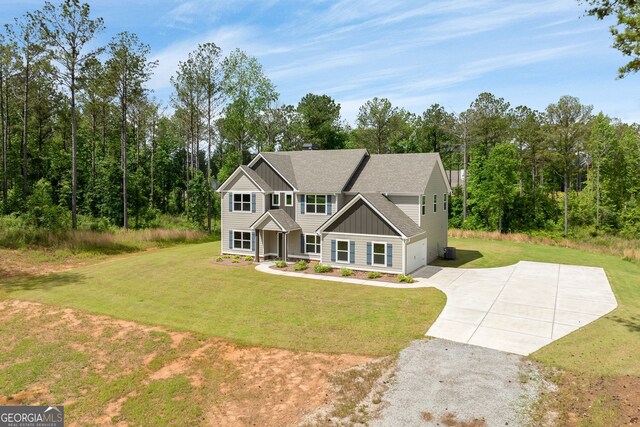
<point x="416" y="255"/>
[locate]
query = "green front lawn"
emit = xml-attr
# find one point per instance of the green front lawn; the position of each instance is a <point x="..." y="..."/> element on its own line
<point x="609" y="346"/>
<point x="181" y="288"/>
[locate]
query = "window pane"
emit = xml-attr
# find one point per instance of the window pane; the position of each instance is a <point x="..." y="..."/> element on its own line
<point x="311" y="249"/>
<point x="246" y="244"/>
<point x="288" y="199"/>
<point x="237" y="235"/>
<point x="311" y="208"/>
<point x="237" y="206"/>
<point x="237" y="197"/>
<point x="321" y="209"/>
<point x="378" y="259"/>
<point x="378" y="248"/>
<point x="311" y="199"/>
<point x="343" y="256"/>
<point x="321" y="199"/>
<point x="246" y="198"/>
<point x="343" y="245"/>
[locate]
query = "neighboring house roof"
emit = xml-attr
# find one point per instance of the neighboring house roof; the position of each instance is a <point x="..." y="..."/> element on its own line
<point x="406" y="173"/>
<point x="386" y="209"/>
<point x="280" y="217"/>
<point x="311" y="171"/>
<point x="251" y="174"/>
<point x="456" y="177"/>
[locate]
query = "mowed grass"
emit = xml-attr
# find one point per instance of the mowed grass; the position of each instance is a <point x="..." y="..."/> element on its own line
<point x="610" y="346"/>
<point x="180" y="288"/>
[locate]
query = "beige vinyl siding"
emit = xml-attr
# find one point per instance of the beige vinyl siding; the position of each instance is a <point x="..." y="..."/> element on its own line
<point x="240" y="221"/>
<point x="294" y="246"/>
<point x="410" y="205"/>
<point x="435" y="223"/>
<point x="310" y="222"/>
<point x="269" y="243"/>
<point x="361" y="251"/>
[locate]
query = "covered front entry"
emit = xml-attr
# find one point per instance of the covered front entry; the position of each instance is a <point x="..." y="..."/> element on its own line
<point x="272" y="230"/>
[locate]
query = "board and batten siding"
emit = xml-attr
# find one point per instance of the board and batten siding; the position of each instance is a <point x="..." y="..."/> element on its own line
<point x="410" y="205"/>
<point x="270" y="176"/>
<point x="361" y="252"/>
<point x="290" y="210"/>
<point x="435" y="224"/>
<point x="240" y="221"/>
<point x="309" y="223"/>
<point x="361" y="219"/>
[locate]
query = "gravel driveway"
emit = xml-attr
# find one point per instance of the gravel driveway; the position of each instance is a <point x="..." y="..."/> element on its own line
<point x="440" y="382"/>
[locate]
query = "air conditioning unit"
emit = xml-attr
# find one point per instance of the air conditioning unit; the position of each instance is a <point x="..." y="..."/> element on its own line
<point x="450" y="253"/>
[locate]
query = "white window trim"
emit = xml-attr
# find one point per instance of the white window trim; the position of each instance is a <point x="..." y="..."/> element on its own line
<point x="233" y="233"/>
<point x="435" y="203"/>
<point x="233" y="203"/>
<point x="285" y="199"/>
<point x="423" y="204"/>
<point x="384" y="245"/>
<point x="306" y="205"/>
<point x="273" y="196"/>
<point x="445" y="202"/>
<point x="348" y="261"/>
<point x="317" y="244"/>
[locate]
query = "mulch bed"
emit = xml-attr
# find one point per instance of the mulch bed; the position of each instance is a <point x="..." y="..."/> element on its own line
<point x="357" y="274"/>
<point x="241" y="262"/>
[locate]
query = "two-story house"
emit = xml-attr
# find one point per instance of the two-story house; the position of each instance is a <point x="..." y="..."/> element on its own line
<point x="345" y="208"/>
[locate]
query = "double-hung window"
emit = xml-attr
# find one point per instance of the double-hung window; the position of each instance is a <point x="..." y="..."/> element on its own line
<point x="423" y="204"/>
<point x="316" y="204"/>
<point x="275" y="199"/>
<point x="380" y="254"/>
<point x="241" y="202"/>
<point x="312" y="244"/>
<point x="435" y="203"/>
<point x="342" y="251"/>
<point x="445" y="202"/>
<point x="241" y="240"/>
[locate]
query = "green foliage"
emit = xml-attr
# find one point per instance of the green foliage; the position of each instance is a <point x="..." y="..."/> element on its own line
<point x="248" y="258"/>
<point x="322" y="268"/>
<point x="346" y="272"/>
<point x="198" y="198"/>
<point x="405" y="279"/>
<point x="219" y="259"/>
<point x="374" y="275"/>
<point x="301" y="265"/>
<point x="43" y="213"/>
<point x="280" y="264"/>
<point x="321" y="121"/>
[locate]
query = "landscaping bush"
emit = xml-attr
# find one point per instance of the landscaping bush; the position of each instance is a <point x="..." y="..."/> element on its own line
<point x="235" y="260"/>
<point x="374" y="275"/>
<point x="301" y="265"/>
<point x="248" y="258"/>
<point x="219" y="259"/>
<point x="346" y="272"/>
<point x="405" y="279"/>
<point x="280" y="264"/>
<point x="322" y="268"/>
<point x="236" y="257"/>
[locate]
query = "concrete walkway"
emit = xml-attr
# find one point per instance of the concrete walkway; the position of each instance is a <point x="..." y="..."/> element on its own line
<point x="517" y="309"/>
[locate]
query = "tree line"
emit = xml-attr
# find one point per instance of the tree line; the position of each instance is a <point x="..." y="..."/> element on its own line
<point x="86" y="144"/>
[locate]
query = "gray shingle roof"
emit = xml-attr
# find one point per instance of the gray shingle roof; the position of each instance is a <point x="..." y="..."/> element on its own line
<point x="322" y="171"/>
<point x="395" y="173"/>
<point x="256" y="178"/>
<point x="393" y="214"/>
<point x="281" y="217"/>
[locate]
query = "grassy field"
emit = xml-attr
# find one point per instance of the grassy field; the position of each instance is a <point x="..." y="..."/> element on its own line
<point x="180" y="288"/>
<point x="599" y="373"/>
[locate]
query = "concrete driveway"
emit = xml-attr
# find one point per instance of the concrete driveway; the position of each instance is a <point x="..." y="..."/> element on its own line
<point x="520" y="308"/>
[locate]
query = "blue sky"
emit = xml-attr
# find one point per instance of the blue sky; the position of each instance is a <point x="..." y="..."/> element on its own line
<point x="415" y="53"/>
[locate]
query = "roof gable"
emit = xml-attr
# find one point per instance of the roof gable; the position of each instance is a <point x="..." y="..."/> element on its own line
<point x="360" y="218"/>
<point x="250" y="174"/>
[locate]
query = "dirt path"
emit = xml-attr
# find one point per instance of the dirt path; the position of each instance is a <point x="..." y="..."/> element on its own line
<point x="444" y="383"/>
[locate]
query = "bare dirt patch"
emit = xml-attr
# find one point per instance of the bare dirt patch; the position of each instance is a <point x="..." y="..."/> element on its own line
<point x="598" y="401"/>
<point x="111" y="371"/>
<point x="335" y="272"/>
<point x="28" y="263"/>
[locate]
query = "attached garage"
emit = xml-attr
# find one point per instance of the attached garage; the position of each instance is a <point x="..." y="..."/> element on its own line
<point x="416" y="255"/>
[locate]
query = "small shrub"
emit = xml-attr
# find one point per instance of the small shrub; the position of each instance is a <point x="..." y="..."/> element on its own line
<point x="346" y="272"/>
<point x="235" y="260"/>
<point x="374" y="275"/>
<point x="280" y="264"/>
<point x="219" y="259"/>
<point x="405" y="279"/>
<point x="236" y="257"/>
<point x="226" y="256"/>
<point x="248" y="258"/>
<point x="322" y="268"/>
<point x="301" y="265"/>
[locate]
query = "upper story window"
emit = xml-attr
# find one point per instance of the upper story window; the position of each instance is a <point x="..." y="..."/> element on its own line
<point x="423" y="204"/>
<point x="445" y="202"/>
<point x="275" y="199"/>
<point x="288" y="199"/>
<point x="435" y="203"/>
<point x="316" y="204"/>
<point x="241" y="202"/>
